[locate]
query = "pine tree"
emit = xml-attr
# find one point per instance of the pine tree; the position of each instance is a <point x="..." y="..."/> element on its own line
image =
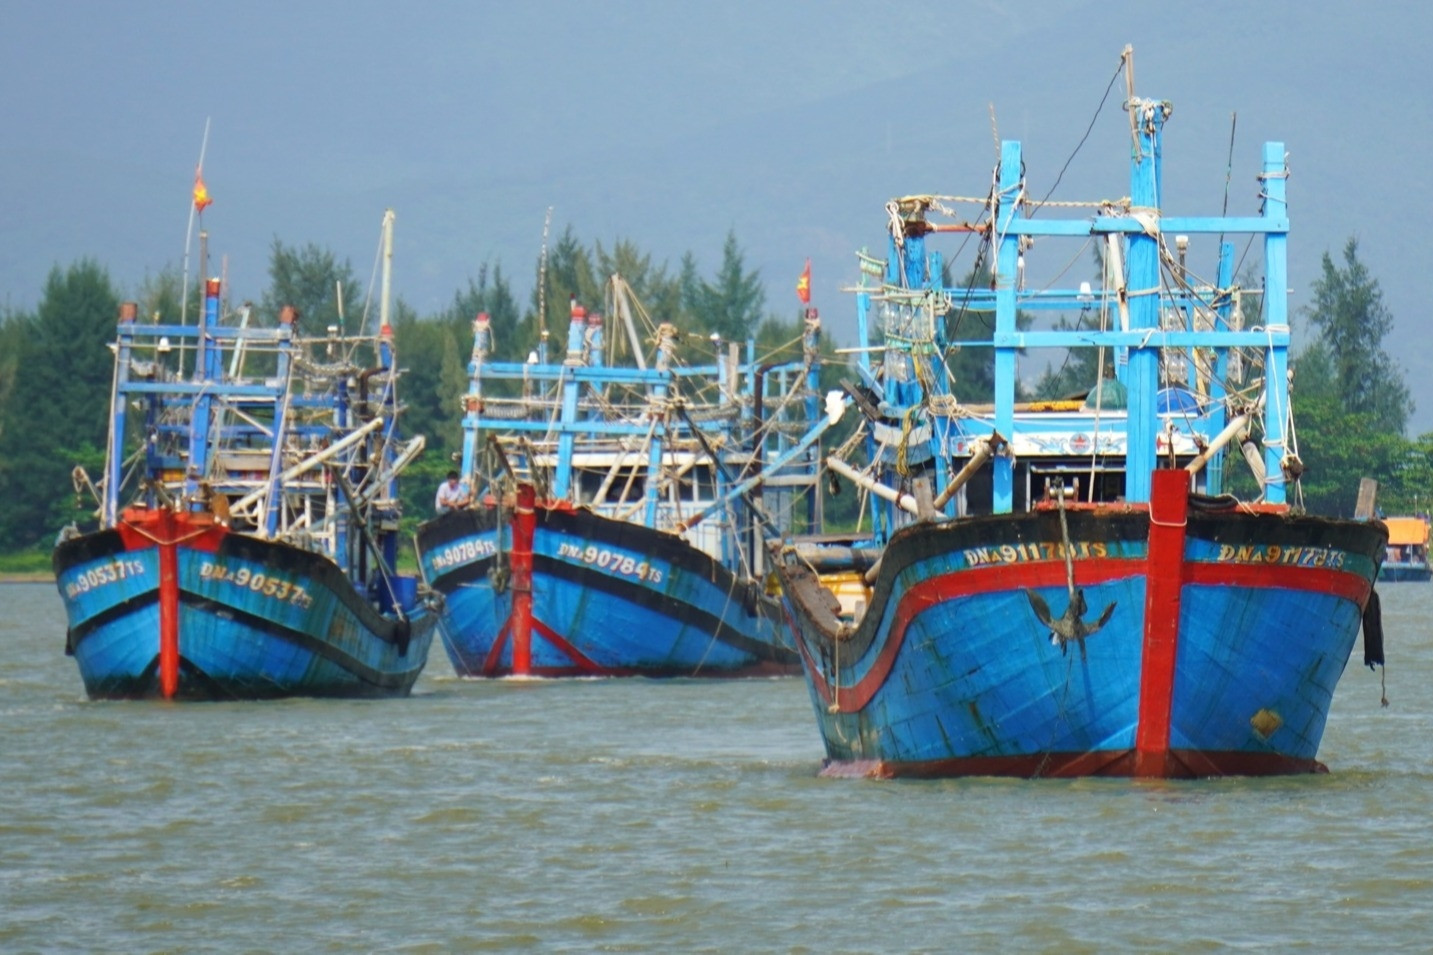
<point x="1351" y="321"/>
<point x="732" y="305"/>
<point x="310" y="279"/>
<point x="57" y="412"/>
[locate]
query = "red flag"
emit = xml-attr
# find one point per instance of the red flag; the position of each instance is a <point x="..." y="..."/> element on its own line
<point x="803" y="285"/>
<point x="201" y="192"/>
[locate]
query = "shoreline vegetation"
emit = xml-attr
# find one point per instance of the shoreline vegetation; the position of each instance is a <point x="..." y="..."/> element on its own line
<point x="26" y="567"/>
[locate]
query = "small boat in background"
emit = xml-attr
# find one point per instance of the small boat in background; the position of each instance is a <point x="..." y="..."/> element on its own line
<point x="621" y="508"/>
<point x="1407" y="554"/>
<point x="1069" y="589"/>
<point x="248" y="517"/>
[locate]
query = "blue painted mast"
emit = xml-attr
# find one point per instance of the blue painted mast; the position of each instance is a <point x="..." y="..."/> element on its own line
<point x="1142" y="289"/>
<point x="119" y="405"/>
<point x="273" y="504"/>
<point x="666" y="352"/>
<point x="1007" y="275"/>
<point x="473" y="401"/>
<point x="1276" y="320"/>
<point x="208" y="370"/>
<point x="566" y="438"/>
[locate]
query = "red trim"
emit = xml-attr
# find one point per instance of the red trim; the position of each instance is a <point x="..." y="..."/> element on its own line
<point x="962" y="583"/>
<point x="168" y="608"/>
<point x="495" y="652"/>
<point x="164" y="530"/>
<point x="524" y="526"/>
<point x="1337" y="583"/>
<point x="1168" y="512"/>
<point x="1179" y="764"/>
<point x="583" y="663"/>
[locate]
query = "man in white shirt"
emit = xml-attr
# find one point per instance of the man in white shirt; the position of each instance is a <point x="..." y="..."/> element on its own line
<point x="451" y="494"/>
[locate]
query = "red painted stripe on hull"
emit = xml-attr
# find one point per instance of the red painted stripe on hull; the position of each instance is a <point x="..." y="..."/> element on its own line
<point x="583" y="665"/>
<point x="164" y="530"/>
<point x="765" y="668"/>
<point x="490" y="663"/>
<point x="1339" y="583"/>
<point x="1168" y="509"/>
<point x="1179" y="764"/>
<point x="168" y="620"/>
<point x="524" y="525"/>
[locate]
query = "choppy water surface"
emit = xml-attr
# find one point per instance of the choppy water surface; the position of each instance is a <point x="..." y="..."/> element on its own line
<point x="669" y="816"/>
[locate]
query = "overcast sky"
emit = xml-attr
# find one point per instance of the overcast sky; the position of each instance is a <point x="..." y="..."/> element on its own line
<point x="673" y="123"/>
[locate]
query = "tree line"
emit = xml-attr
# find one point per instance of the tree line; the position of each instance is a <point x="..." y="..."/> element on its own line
<point x="1352" y="404"/>
<point x="56" y="368"/>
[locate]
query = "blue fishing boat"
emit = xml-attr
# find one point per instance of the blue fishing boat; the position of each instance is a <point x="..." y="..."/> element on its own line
<point x="247" y="519"/>
<point x="1070" y="588"/>
<point x="618" y="509"/>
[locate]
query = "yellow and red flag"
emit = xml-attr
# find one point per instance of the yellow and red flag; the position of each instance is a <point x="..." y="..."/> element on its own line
<point x="201" y="192"/>
<point x="803" y="285"/>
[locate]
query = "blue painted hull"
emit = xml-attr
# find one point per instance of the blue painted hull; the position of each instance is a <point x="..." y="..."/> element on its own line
<point x="954" y="672"/>
<point x="609" y="598"/>
<point x="255" y="619"/>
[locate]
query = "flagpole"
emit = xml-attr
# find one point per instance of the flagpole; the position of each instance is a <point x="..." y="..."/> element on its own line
<point x="189" y="237"/>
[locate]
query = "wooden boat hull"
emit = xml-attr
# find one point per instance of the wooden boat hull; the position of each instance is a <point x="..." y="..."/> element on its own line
<point x="1224" y="636"/>
<point x="243" y="618"/>
<point x="608" y="598"/>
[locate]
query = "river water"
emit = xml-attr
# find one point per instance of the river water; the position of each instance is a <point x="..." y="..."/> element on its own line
<point x="642" y="816"/>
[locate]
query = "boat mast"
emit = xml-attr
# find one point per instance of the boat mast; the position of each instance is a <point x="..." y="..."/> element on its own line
<point x="1276" y="320"/>
<point x="385" y="285"/>
<point x="624" y="311"/>
<point x="119" y="407"/>
<point x="1007" y="260"/>
<point x="473" y="401"/>
<point x="208" y="367"/>
<point x="274" y="503"/>
<point x="1143" y="283"/>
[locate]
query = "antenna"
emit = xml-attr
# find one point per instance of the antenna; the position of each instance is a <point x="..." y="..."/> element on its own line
<point x="1229" y="168"/>
<point x="542" y="275"/>
<point x="189" y="229"/>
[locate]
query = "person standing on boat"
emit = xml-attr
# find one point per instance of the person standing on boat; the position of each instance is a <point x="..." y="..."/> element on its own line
<point x="451" y="495"/>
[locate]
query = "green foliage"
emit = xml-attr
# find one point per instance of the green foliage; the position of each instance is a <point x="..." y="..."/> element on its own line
<point x="56" y="371"/>
<point x="160" y="295"/>
<point x="310" y="279"/>
<point x="569" y="275"/>
<point x="419" y="485"/>
<point x="659" y="293"/>
<point x="1407" y="485"/>
<point x="689" y="285"/>
<point x="421" y="346"/>
<point x="1333" y="446"/>
<point x="491" y="294"/>
<point x="1351" y="401"/>
<point x="56" y="414"/>
<point x="732" y="305"/>
<point x="34" y="562"/>
<point x="12" y="336"/>
<point x="1351" y="321"/>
